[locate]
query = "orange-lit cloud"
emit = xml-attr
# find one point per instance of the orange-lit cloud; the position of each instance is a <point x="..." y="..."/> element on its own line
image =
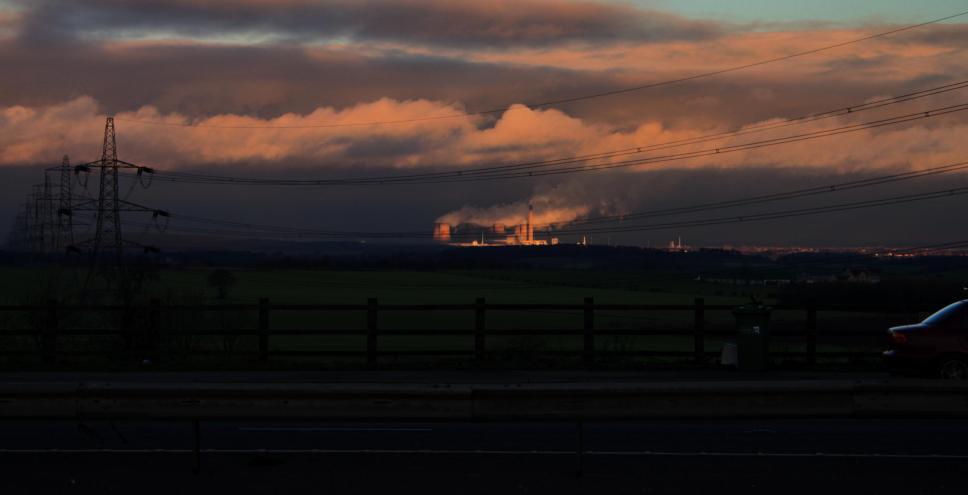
<point x="43" y="134"/>
<point x="687" y="57"/>
<point x="267" y="63"/>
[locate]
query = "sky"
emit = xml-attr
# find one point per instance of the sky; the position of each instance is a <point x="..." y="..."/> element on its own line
<point x="290" y="89"/>
<point x="831" y="11"/>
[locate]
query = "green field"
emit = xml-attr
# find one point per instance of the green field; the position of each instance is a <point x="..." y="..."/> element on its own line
<point x="303" y="286"/>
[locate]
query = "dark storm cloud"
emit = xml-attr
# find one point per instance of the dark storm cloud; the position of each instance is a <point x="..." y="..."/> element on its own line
<point x="492" y="23"/>
<point x="261" y="80"/>
<point x="267" y="81"/>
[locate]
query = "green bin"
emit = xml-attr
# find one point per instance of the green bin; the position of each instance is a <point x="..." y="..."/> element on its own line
<point x="753" y="339"/>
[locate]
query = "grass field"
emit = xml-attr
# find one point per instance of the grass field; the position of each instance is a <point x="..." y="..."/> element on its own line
<point x="189" y="286"/>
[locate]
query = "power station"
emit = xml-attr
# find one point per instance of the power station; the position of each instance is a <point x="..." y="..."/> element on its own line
<point x="498" y="234"/>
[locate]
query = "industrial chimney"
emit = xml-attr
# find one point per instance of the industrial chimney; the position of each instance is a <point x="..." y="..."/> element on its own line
<point x="530" y="224"/>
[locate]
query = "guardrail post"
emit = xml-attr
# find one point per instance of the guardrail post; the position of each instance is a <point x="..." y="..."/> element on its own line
<point x="699" y="328"/>
<point x="153" y="332"/>
<point x="580" y="448"/>
<point x="48" y="336"/>
<point x="588" y="348"/>
<point x="196" y="447"/>
<point x="371" y="322"/>
<point x="479" y="324"/>
<point x="812" y="332"/>
<point x="264" y="329"/>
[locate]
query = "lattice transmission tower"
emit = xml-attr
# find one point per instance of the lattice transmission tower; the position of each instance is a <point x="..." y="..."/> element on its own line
<point x="18" y="237"/>
<point x="107" y="233"/>
<point x="107" y="246"/>
<point x="65" y="217"/>
<point x="42" y="231"/>
<point x="47" y="220"/>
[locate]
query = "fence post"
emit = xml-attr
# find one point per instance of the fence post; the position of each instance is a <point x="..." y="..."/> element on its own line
<point x="371" y="322"/>
<point x="699" y="326"/>
<point x="479" y="324"/>
<point x="812" y="332"/>
<point x="264" y="329"/>
<point x="49" y="334"/>
<point x="153" y="331"/>
<point x="588" y="353"/>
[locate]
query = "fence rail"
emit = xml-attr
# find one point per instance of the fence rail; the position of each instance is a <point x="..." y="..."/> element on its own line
<point x="149" y="328"/>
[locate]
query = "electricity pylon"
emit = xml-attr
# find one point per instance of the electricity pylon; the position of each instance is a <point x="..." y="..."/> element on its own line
<point x="41" y="231"/>
<point x="65" y="220"/>
<point x="46" y="222"/>
<point x="107" y="233"/>
<point x="108" y="244"/>
<point x="49" y="231"/>
<point x="17" y="238"/>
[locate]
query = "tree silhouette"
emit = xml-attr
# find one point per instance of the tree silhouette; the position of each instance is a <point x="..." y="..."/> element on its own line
<point x="222" y="280"/>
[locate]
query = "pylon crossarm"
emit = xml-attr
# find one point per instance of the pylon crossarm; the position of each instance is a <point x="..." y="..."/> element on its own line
<point x="122" y="206"/>
<point x="73" y="167"/>
<point x="141" y="169"/>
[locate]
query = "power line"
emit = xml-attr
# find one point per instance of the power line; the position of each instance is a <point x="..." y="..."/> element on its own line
<point x="573" y="99"/>
<point x="786" y="195"/>
<point x="290" y="232"/>
<point x="756" y="128"/>
<point x="720" y="150"/>
<point x="756" y="217"/>
<point x="767" y="198"/>
<point x="543" y="168"/>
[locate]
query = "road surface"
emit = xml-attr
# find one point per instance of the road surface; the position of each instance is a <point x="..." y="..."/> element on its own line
<point x="671" y="456"/>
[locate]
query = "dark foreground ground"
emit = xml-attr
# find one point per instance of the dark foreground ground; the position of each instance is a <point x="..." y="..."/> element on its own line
<point x="670" y="456"/>
<point x="669" y="375"/>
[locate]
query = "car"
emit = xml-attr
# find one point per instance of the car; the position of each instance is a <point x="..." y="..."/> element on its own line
<point x="938" y="346"/>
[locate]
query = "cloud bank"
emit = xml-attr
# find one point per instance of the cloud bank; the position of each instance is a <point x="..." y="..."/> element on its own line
<point x="521" y="134"/>
<point x="495" y="23"/>
<point x="252" y="63"/>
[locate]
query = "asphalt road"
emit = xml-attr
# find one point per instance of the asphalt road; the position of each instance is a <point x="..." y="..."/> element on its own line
<point x="726" y="456"/>
<point x="675" y="374"/>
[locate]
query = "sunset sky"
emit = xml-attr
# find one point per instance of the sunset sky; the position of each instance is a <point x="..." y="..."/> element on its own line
<point x="254" y="76"/>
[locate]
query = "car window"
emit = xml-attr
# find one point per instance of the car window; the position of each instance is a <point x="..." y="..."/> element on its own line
<point x="950" y="312"/>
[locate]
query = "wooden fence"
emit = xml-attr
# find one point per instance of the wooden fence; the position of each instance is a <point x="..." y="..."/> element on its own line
<point x="148" y="331"/>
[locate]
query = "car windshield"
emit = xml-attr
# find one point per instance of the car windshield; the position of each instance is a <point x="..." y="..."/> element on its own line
<point x="949" y="311"/>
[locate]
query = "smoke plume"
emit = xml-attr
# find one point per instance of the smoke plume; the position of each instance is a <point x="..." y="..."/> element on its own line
<point x="554" y="206"/>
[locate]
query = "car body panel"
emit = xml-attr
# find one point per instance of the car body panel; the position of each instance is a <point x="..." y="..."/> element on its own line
<point x="923" y="345"/>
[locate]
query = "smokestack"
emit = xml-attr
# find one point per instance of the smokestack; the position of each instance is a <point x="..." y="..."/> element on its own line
<point x="442" y="232"/>
<point x="530" y="223"/>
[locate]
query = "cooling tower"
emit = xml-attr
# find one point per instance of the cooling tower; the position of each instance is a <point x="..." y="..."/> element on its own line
<point x="520" y="234"/>
<point x="442" y="232"/>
